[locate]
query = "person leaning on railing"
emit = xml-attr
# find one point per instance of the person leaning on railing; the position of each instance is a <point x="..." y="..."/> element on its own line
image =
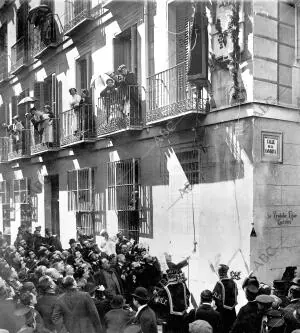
<point x="34" y="116"/>
<point x="109" y="96"/>
<point x="15" y="131"/>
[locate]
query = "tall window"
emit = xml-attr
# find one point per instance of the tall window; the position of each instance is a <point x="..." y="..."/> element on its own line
<point x="22" y="23"/>
<point x="21" y="190"/>
<point x="4" y="192"/>
<point x="46" y="93"/>
<point x="124" y="195"/>
<point x="81" y="190"/>
<point x="83" y="72"/>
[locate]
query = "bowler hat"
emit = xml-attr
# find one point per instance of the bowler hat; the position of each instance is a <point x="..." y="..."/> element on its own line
<point x="141" y="293"/>
<point x="72" y="241"/>
<point x="117" y="302"/>
<point x="264" y="299"/>
<point x="251" y="288"/>
<point x="281" y="285"/>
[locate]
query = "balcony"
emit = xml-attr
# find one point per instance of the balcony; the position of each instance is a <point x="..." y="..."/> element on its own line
<point x="3" y="67"/>
<point x="46" y="139"/>
<point x="43" y="43"/>
<point x="77" y="125"/>
<point x="18" y="146"/>
<point x="171" y="95"/>
<point x="120" y="111"/>
<point x="19" y="56"/>
<point x="78" y="13"/>
<point x="4" y="143"/>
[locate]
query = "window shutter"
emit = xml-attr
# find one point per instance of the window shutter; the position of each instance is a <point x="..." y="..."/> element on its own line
<point x="39" y="94"/>
<point x="14" y="105"/>
<point x="54" y="95"/>
<point x="183" y="29"/>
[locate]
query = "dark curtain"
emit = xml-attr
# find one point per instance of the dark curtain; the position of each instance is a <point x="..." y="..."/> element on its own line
<point x="198" y="53"/>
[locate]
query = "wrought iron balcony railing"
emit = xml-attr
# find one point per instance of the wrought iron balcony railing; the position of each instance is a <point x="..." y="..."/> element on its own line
<point x="3" y="66"/>
<point x="119" y="110"/>
<point x="171" y="95"/>
<point x="4" y="143"/>
<point x="19" y="55"/>
<point x="77" y="13"/>
<point x="77" y="125"/>
<point x="19" y="145"/>
<point x="45" y="136"/>
<point x="45" y="40"/>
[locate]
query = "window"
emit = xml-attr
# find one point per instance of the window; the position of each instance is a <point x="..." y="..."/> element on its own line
<point x="130" y="199"/>
<point x="21" y="191"/>
<point x="46" y="92"/>
<point x="189" y="160"/>
<point x="83" y="72"/>
<point x="4" y="192"/>
<point x="3" y="39"/>
<point x="123" y="185"/>
<point x="81" y="190"/>
<point x="86" y="221"/>
<point x="22" y="25"/>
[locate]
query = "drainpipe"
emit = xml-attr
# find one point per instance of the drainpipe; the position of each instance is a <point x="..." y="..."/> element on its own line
<point x="146" y="74"/>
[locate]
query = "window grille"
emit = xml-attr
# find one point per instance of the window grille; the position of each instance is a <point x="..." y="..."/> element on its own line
<point x="86" y="222"/>
<point x="123" y="185"/>
<point x="4" y="192"/>
<point x="189" y="160"/>
<point x="21" y="191"/>
<point x="81" y="189"/>
<point x="129" y="198"/>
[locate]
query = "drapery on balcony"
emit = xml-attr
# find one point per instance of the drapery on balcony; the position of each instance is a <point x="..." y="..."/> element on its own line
<point x="19" y="56"/>
<point x="77" y="125"/>
<point x="77" y="13"/>
<point x="19" y="145"/>
<point x="44" y="37"/>
<point x="4" y="143"/>
<point x="3" y="66"/>
<point x="171" y="95"/>
<point x="45" y="138"/>
<point x="120" y="111"/>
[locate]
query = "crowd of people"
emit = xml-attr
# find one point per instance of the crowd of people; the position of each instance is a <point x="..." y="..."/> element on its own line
<point x="112" y="286"/>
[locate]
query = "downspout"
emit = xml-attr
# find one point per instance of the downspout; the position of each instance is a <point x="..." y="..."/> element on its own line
<point x="146" y="74"/>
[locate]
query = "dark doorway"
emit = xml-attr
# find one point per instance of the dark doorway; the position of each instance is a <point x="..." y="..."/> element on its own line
<point x="52" y="204"/>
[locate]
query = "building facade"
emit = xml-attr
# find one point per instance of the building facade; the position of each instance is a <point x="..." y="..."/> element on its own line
<point x="205" y="167"/>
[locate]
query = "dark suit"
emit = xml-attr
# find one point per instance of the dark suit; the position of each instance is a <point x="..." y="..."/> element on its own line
<point x="147" y="319"/>
<point x="45" y="305"/>
<point x="248" y="320"/>
<point x="291" y="322"/>
<point x="77" y="312"/>
<point x="115" y="320"/>
<point x="207" y="313"/>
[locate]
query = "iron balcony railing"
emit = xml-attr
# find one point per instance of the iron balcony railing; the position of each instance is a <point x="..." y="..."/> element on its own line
<point x="44" y="136"/>
<point x="3" y="66"/>
<point x="19" y="55"/>
<point x="77" y="125"/>
<point x="4" y="144"/>
<point x="44" y="37"/>
<point x="119" y="110"/>
<point x="19" y="145"/>
<point x="170" y="94"/>
<point x="76" y="11"/>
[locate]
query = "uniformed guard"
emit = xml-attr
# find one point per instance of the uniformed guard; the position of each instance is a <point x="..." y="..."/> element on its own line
<point x="225" y="296"/>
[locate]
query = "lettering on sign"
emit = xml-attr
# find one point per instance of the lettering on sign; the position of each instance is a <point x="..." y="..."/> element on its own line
<point x="283" y="218"/>
<point x="271" y="146"/>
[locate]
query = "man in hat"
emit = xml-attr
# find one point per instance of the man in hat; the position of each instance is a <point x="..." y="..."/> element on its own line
<point x="291" y="322"/>
<point x="117" y="318"/>
<point x="145" y="316"/>
<point x="264" y="304"/>
<point x="248" y="320"/>
<point x="280" y="290"/>
<point x="225" y="296"/>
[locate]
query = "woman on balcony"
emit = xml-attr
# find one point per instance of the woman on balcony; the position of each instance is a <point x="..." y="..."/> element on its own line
<point x="110" y="98"/>
<point x="86" y="114"/>
<point x="74" y="106"/>
<point x="47" y="125"/>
